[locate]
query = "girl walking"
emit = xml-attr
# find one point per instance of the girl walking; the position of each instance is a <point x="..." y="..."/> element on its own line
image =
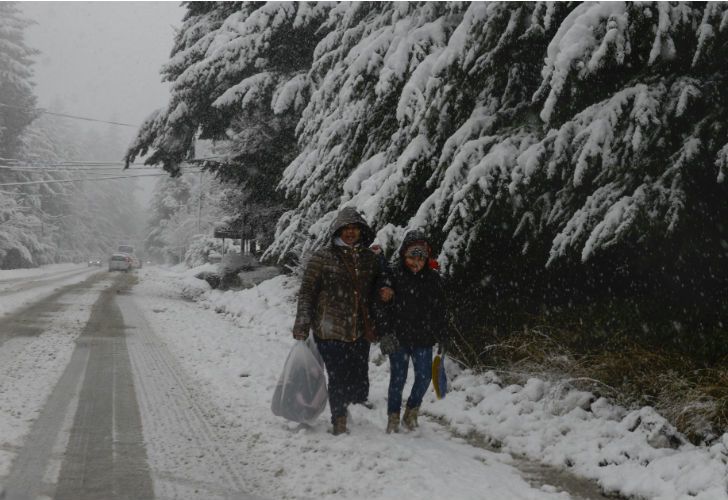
<point x="416" y="317"/>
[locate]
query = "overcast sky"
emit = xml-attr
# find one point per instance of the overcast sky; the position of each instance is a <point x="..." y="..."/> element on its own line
<point x="102" y="59"/>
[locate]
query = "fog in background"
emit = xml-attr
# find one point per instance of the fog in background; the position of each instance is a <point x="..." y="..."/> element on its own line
<point x="101" y="60"/>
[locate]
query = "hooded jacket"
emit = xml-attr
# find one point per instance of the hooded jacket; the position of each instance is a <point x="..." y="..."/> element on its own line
<point x="418" y="314"/>
<point x="331" y="300"/>
<point x="412" y="237"/>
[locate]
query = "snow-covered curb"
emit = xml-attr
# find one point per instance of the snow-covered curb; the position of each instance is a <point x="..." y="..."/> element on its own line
<point x="633" y="453"/>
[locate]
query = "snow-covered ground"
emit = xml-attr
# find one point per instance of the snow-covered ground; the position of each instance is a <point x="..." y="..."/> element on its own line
<point x="31" y="365"/>
<point x="12" y="274"/>
<point x="239" y="357"/>
<point x="19" y="287"/>
<point x="233" y="345"/>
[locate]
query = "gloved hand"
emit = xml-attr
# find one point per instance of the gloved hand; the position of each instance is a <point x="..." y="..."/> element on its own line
<point x="300" y="335"/>
<point x="389" y="344"/>
<point x="386" y="294"/>
<point x="442" y="346"/>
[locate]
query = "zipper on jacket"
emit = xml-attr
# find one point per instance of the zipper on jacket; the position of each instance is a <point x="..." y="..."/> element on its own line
<point x="355" y="318"/>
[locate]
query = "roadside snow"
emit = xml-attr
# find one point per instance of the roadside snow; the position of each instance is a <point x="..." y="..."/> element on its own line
<point x="239" y="355"/>
<point x="21" y="287"/>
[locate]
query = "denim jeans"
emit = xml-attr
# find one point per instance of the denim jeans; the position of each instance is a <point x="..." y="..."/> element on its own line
<point x="347" y="367"/>
<point x="398" y="366"/>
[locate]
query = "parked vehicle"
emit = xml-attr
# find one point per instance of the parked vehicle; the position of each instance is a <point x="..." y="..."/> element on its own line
<point x="120" y="262"/>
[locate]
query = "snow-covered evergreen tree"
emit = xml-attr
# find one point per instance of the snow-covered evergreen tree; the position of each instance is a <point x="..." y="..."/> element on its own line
<point x="70" y="221"/>
<point x="238" y="74"/>
<point x="356" y="145"/>
<point x="541" y="144"/>
<point x="169" y="203"/>
<point x="576" y="127"/>
<point x="21" y="231"/>
<point x="17" y="101"/>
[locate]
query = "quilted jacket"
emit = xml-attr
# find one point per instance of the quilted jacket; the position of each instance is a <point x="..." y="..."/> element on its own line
<point x="339" y="285"/>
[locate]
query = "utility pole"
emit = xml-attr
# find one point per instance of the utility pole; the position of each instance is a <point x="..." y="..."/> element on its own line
<point x="199" y="203"/>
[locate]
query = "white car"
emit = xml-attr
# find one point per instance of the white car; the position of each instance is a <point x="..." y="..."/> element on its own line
<point x="120" y="262"/>
<point x="136" y="263"/>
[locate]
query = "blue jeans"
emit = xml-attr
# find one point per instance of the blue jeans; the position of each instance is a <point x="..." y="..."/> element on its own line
<point x="398" y="366"/>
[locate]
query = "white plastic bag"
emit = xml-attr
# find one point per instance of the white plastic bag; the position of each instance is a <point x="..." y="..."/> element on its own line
<point x="301" y="392"/>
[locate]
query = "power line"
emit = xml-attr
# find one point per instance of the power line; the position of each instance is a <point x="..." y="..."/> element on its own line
<point x="89" y="179"/>
<point x="39" y="161"/>
<point x="43" y="111"/>
<point x="94" y="162"/>
<point x="107" y="169"/>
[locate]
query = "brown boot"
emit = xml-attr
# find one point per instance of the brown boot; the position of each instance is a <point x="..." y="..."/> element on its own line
<point x="393" y="423"/>
<point x="339" y="425"/>
<point x="409" y="419"/>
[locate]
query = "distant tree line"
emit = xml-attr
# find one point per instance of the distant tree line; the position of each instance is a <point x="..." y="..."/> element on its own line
<point x="42" y="223"/>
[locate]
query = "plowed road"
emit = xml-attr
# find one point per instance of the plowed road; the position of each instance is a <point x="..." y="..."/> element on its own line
<point x="85" y="439"/>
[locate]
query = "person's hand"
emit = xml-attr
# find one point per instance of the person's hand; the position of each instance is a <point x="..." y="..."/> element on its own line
<point x="442" y="347"/>
<point x="389" y="344"/>
<point x="386" y="294"/>
<point x="300" y="335"/>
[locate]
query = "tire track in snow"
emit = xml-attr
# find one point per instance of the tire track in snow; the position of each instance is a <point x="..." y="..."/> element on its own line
<point x="105" y="456"/>
<point x="191" y="451"/>
<point x="35" y="466"/>
<point x="28" y="283"/>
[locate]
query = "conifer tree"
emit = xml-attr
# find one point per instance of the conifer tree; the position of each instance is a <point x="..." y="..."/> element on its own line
<point x="79" y="220"/>
<point x="238" y="74"/>
<point x="169" y="198"/>
<point x="19" y="225"/>
<point x="17" y="101"/>
<point x="549" y="148"/>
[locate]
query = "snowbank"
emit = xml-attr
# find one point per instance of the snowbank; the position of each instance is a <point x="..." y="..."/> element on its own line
<point x="635" y="453"/>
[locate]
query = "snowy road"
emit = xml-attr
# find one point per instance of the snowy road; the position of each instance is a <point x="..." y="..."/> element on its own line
<point x="116" y="386"/>
<point x="104" y="453"/>
<point x="87" y="440"/>
<point x="11" y="285"/>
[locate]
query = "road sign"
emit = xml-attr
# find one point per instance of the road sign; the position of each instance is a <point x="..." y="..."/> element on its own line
<point x="228" y="233"/>
<point x="235" y="234"/>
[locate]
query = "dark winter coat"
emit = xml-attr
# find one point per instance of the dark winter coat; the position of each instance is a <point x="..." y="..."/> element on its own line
<point x="418" y="314"/>
<point x="329" y="302"/>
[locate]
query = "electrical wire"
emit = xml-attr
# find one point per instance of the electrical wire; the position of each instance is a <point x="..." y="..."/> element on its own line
<point x="87" y="166"/>
<point x="63" y="115"/>
<point x="82" y="163"/>
<point x="44" y="163"/>
<point x="40" y="161"/>
<point x="88" y="179"/>
<point x="14" y="168"/>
